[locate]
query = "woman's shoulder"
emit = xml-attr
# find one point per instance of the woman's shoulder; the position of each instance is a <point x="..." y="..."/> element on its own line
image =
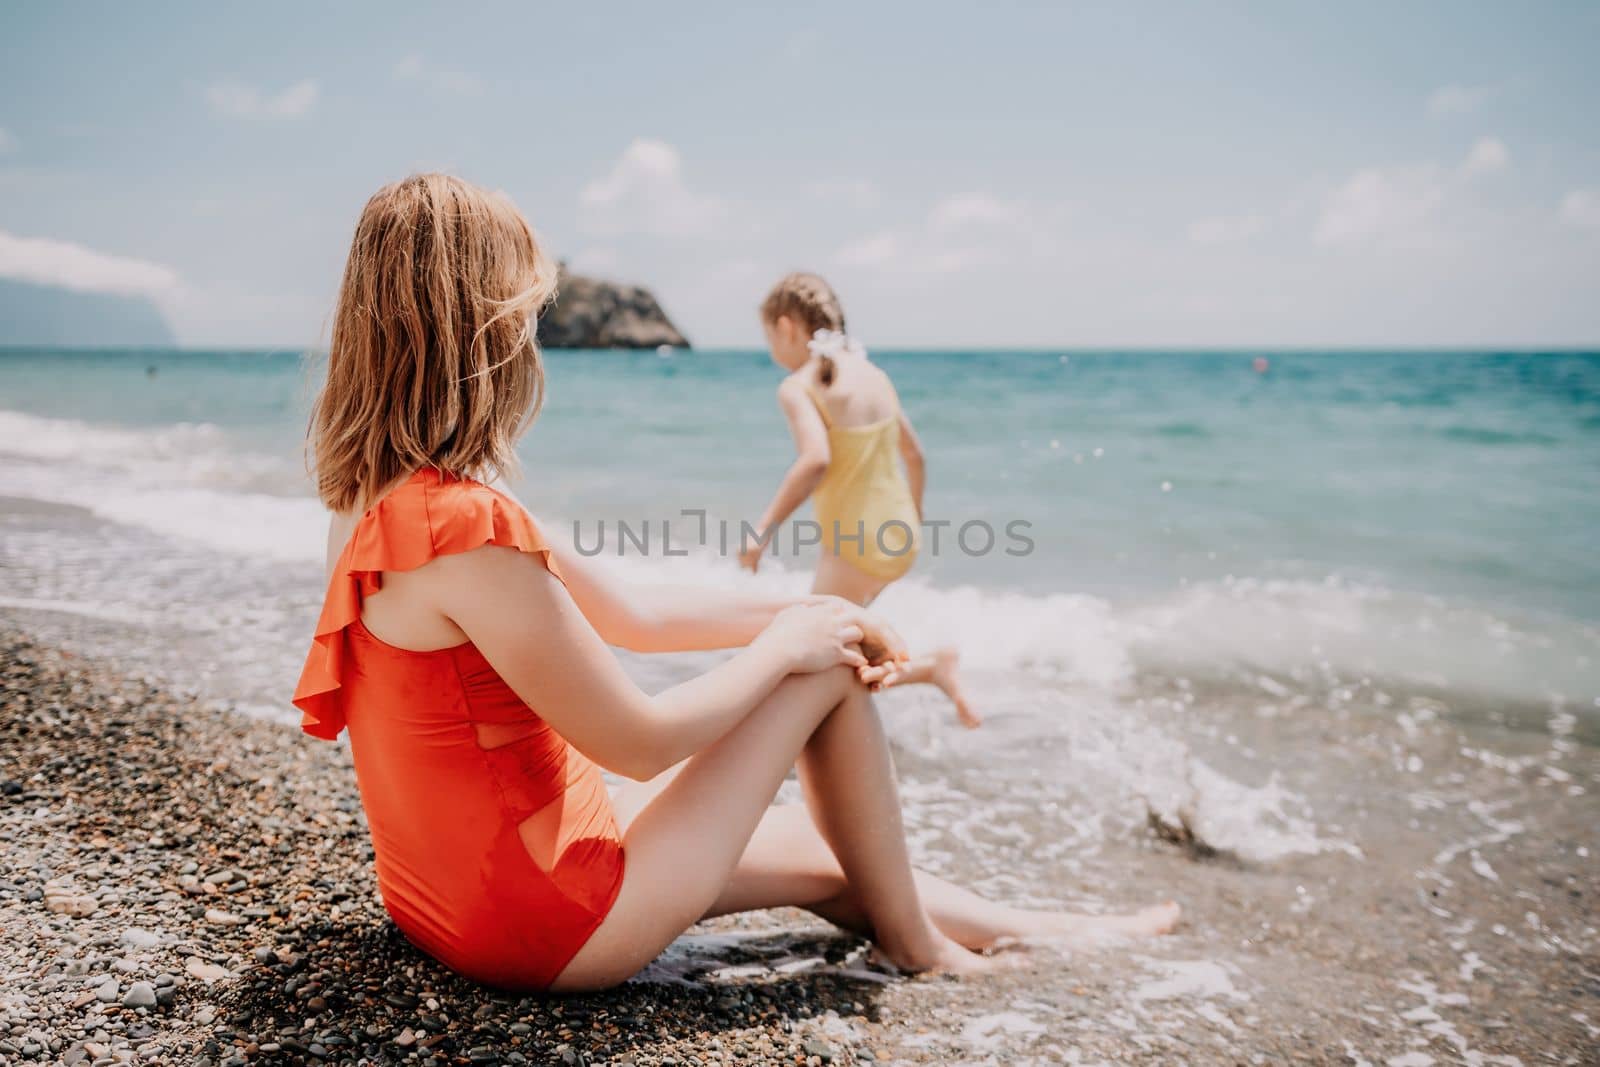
<point x="435" y="514"/>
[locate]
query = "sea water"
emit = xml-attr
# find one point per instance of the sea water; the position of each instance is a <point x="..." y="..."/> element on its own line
<point x="1401" y="522"/>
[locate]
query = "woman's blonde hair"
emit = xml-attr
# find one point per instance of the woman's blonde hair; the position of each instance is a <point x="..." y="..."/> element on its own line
<point x="810" y="301"/>
<point x="433" y="360"/>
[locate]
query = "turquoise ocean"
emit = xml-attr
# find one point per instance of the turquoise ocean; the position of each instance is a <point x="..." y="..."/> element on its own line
<point x="1388" y="530"/>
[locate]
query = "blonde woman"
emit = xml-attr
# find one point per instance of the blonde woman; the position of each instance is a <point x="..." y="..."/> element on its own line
<point x="467" y="657"/>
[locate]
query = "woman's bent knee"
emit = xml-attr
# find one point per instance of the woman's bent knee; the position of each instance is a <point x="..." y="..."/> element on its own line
<point x="833" y="686"/>
<point x="841" y="681"/>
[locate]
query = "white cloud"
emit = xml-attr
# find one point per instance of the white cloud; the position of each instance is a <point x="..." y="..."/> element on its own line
<point x="974" y="210"/>
<point x="49" y="262"/>
<point x="1225" y="229"/>
<point x="1457" y="99"/>
<point x="414" y="68"/>
<point x="645" y="193"/>
<point x="1378" y="203"/>
<point x="1418" y="204"/>
<point x="1488" y="154"/>
<point x="959" y="232"/>
<point x="240" y="101"/>
<point x="874" y="251"/>
<point x="1581" y="207"/>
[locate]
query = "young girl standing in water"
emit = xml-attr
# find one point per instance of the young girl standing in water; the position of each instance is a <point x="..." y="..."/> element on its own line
<point x="851" y="438"/>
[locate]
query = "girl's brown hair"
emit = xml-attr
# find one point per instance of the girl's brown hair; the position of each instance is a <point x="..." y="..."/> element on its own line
<point x="433" y="360"/>
<point x="810" y="301"/>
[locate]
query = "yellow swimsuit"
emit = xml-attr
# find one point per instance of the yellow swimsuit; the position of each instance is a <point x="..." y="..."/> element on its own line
<point x="864" y="504"/>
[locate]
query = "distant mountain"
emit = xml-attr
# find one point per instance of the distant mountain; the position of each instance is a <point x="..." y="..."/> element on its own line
<point x="589" y="313"/>
<point x="49" y="315"/>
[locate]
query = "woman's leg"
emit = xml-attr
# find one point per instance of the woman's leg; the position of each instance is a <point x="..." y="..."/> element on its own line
<point x="788" y="864"/>
<point x="837" y="577"/>
<point x="685" y="843"/>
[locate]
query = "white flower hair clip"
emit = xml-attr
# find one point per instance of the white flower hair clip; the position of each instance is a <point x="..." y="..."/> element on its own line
<point x="831" y="344"/>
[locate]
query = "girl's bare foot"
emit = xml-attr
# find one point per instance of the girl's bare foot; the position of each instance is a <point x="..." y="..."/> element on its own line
<point x="946" y="675"/>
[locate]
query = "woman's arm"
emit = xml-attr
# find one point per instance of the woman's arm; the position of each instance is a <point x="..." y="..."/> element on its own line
<point x="804" y="474"/>
<point x="667" y="618"/>
<point x="528" y="627"/>
<point x="911" y="454"/>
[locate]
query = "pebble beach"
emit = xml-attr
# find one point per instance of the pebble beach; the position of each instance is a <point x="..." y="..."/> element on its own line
<point x="187" y="885"/>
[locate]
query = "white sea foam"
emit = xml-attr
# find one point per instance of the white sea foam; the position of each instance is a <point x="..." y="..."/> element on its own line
<point x="982" y="1028"/>
<point x="1338" y="629"/>
<point x="177" y="454"/>
<point x="36" y="437"/>
<point x="87" y="609"/>
<point x="1180" y="979"/>
<point x="181" y="481"/>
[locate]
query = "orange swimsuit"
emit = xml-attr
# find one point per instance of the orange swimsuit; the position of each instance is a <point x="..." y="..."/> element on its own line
<point x="498" y="861"/>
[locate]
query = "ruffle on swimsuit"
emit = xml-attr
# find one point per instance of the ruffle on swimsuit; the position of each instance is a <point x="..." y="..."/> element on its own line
<point x="464" y="515"/>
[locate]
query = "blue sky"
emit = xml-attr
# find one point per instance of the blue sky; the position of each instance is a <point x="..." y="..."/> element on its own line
<point x="1051" y="175"/>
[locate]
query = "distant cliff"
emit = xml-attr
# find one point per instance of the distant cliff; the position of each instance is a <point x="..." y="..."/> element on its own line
<point x="589" y="313"/>
<point x="47" y="315"/>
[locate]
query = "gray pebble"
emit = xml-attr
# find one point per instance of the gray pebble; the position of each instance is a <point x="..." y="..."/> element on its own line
<point x="140" y="995"/>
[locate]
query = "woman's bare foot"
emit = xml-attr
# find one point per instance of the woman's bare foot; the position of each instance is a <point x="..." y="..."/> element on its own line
<point x="1097" y="929"/>
<point x="946" y="675"/>
<point x="942" y="956"/>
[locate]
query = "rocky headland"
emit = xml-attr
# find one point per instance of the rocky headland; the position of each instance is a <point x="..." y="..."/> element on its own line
<point x="592" y="313"/>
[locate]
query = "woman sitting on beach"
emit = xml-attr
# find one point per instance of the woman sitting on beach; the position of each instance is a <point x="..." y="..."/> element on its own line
<point x="467" y="656"/>
<point x="850" y="437"/>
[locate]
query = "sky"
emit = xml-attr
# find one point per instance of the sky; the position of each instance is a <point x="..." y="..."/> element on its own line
<point x="1062" y="175"/>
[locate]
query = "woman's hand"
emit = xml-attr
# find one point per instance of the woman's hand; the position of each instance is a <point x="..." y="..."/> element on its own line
<point x="880" y="643"/>
<point x="828" y="630"/>
<point x="816" y="636"/>
<point x="884" y="649"/>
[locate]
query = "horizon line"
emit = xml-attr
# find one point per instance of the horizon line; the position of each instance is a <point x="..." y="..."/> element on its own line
<point x="907" y="349"/>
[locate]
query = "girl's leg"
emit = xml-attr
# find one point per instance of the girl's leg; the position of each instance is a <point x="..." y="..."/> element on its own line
<point x="685" y="843"/>
<point x="942" y="669"/>
<point x="787" y="864"/>
<point x="837" y="577"/>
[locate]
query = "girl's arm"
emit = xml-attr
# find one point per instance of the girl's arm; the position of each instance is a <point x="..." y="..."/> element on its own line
<point x="911" y="453"/>
<point x="521" y="617"/>
<point x="667" y="618"/>
<point x="804" y="474"/>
